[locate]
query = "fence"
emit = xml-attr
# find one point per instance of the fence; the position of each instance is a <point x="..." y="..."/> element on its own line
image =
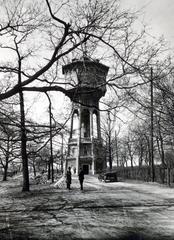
<point x="143" y="173"/>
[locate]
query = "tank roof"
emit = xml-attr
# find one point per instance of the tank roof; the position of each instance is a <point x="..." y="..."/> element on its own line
<point x="85" y="61"/>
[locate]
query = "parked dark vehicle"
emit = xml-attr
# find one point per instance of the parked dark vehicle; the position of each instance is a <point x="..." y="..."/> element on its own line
<point x="108" y="176"/>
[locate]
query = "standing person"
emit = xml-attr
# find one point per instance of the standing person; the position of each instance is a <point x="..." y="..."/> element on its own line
<point x="81" y="178"/>
<point x="68" y="178"/>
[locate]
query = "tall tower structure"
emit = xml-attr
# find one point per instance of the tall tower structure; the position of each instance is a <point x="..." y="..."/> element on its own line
<point x="88" y="84"/>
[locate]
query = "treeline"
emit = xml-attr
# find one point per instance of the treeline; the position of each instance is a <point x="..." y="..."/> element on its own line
<point x="135" y="147"/>
<point x="143" y="173"/>
<point x="38" y="144"/>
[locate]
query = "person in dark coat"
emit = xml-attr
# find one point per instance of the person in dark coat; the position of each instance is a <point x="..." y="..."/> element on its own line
<point x="68" y="178"/>
<point x="81" y="178"/>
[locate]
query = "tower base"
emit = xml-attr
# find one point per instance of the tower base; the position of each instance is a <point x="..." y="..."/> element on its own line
<point x="92" y="160"/>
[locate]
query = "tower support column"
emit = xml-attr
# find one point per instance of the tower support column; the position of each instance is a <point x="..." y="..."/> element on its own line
<point x="98" y="125"/>
<point x="92" y="142"/>
<point x="78" y="142"/>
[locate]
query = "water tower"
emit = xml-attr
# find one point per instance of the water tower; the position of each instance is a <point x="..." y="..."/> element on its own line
<point x="87" y="81"/>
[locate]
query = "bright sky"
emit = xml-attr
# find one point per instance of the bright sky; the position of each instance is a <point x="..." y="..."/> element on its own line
<point x="158" y="14"/>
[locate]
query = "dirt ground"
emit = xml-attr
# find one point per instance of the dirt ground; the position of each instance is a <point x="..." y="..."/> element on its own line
<point x="120" y="210"/>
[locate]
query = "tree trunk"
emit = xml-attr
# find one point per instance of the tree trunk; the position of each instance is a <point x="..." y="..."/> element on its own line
<point x="49" y="170"/>
<point x="116" y="146"/>
<point x="140" y="160"/>
<point x="6" y="161"/>
<point x="131" y="159"/>
<point x="162" y="175"/>
<point x="162" y="159"/>
<point x="162" y="150"/>
<point x="160" y="144"/>
<point x="168" y="176"/>
<point x="34" y="169"/>
<point x="51" y="145"/>
<point x="152" y="130"/>
<point x="5" y="172"/>
<point x="23" y="146"/>
<point x="62" y="154"/>
<point x="110" y="153"/>
<point x="51" y="163"/>
<point x="23" y="136"/>
<point x="149" y="162"/>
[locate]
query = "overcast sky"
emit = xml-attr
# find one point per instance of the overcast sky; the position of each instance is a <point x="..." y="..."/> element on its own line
<point x="159" y="14"/>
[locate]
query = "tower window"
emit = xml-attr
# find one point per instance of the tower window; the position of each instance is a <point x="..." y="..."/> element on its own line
<point x="85" y="123"/>
<point x="95" y="128"/>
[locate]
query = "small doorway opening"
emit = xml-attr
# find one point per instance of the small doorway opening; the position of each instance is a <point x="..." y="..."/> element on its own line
<point x="86" y="169"/>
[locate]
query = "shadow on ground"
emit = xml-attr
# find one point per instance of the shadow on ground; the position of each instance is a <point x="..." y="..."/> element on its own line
<point x="128" y="236"/>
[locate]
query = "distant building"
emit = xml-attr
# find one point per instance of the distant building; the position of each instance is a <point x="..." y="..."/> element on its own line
<point x="87" y="81"/>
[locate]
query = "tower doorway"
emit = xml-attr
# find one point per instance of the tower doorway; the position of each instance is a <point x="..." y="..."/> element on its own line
<point x="86" y="169"/>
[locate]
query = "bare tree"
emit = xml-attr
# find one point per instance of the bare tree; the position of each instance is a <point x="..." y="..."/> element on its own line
<point x="39" y="40"/>
<point x="9" y="146"/>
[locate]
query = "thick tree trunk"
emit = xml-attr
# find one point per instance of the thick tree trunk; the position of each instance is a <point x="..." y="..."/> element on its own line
<point x="24" y="146"/>
<point x="6" y="160"/>
<point x="131" y="159"/>
<point x="23" y="136"/>
<point x="162" y="174"/>
<point x="5" y="172"/>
